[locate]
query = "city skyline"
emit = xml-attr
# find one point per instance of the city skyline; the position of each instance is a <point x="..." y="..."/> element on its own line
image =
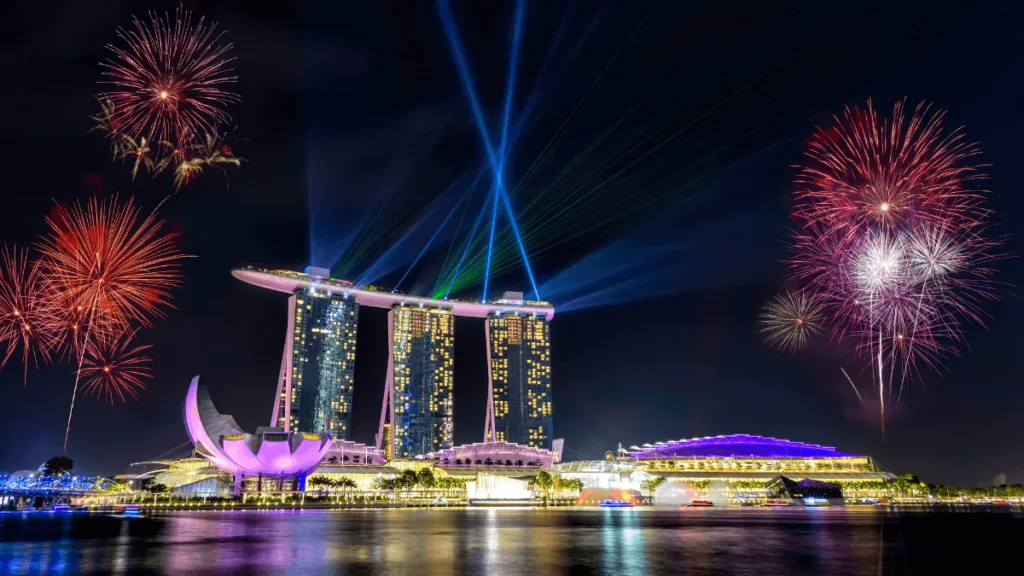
<point x="655" y="221"/>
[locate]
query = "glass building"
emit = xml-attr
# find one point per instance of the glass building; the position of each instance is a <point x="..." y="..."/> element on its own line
<point x="423" y="343"/>
<point x="317" y="371"/>
<point x="519" y="348"/>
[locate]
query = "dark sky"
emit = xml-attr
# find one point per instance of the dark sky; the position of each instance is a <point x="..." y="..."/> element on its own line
<point x="344" y="106"/>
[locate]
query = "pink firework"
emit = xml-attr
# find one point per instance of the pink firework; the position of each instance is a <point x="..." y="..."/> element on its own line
<point x="872" y="172"/>
<point x="168" y="81"/>
<point x="891" y="240"/>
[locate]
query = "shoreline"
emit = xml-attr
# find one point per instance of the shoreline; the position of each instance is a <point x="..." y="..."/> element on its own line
<point x="230" y="507"/>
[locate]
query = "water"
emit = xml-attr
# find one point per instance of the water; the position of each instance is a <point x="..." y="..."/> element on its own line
<point x="537" y="542"/>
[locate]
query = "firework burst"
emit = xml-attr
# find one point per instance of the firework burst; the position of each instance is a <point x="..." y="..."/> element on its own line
<point x="115" y="368"/>
<point x="869" y="173"/>
<point x="168" y="81"/>
<point x="25" y="311"/>
<point x="108" y="260"/>
<point x="109" y="268"/>
<point x="890" y="243"/>
<point x="789" y="320"/>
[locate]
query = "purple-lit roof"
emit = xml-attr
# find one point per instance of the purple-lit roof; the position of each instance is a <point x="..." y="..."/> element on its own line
<point x="734" y="445"/>
<point x="495" y="451"/>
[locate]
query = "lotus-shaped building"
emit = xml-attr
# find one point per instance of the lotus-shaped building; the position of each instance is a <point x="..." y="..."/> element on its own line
<point x="268" y="452"/>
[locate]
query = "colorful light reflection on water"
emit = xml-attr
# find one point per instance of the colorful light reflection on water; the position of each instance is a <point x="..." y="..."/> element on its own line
<point x="508" y="541"/>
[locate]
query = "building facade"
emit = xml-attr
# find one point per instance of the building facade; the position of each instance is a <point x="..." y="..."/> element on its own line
<point x="318" y="367"/>
<point x="423" y="362"/>
<point x="519" y="351"/>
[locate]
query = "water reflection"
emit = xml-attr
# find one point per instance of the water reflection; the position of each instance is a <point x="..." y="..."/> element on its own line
<point x="622" y="543"/>
<point x="536" y="542"/>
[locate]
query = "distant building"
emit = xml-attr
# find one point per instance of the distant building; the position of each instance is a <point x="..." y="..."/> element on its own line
<point x="314" y="391"/>
<point x="423" y="346"/>
<point x="519" y="352"/>
<point x="743" y="465"/>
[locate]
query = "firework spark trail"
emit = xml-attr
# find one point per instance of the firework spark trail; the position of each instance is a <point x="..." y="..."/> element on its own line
<point x="25" y="314"/>
<point x="113" y="265"/>
<point x="854" y="386"/>
<point x="891" y="239"/>
<point x="168" y="80"/>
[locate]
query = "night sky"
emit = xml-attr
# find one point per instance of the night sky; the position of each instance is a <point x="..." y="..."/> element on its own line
<point x="345" y="106"/>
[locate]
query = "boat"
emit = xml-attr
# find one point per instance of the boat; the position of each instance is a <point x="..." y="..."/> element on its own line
<point x="62" y="508"/>
<point x="775" y="503"/>
<point x="813" y="502"/>
<point x="130" y="511"/>
<point x="701" y="504"/>
<point x="616" y="504"/>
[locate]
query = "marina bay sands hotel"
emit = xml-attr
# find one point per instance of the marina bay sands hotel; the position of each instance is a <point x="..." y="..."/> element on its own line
<point x="314" y="389"/>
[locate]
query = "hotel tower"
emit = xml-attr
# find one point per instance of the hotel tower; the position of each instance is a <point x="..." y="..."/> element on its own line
<point x="519" y="354"/>
<point x="314" y="389"/>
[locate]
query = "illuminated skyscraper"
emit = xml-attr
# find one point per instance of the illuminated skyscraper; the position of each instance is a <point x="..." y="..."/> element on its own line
<point x="314" y="392"/>
<point x="422" y="371"/>
<point x="519" y="349"/>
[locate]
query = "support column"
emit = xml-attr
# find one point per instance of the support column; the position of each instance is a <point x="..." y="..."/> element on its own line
<point x="387" y="407"/>
<point x="489" y="417"/>
<point x="284" y="379"/>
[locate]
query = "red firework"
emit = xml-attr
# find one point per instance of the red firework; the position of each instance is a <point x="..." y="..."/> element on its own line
<point x="109" y="266"/>
<point x="25" y="313"/>
<point x="891" y="241"/>
<point x="168" y="80"/>
<point x="872" y="172"/>
<point x="115" y="368"/>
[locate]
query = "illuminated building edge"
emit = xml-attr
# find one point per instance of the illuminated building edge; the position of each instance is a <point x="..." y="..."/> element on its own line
<point x="269" y="451"/>
<point x="288" y="282"/>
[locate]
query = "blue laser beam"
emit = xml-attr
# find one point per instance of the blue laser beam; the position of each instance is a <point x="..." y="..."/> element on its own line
<point x="490" y="240"/>
<point x="499" y="185"/>
<point x="433" y="237"/>
<point x="496" y="160"/>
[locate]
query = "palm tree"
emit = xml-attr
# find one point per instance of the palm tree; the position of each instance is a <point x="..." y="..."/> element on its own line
<point x="544" y="482"/>
<point x="425" y="478"/>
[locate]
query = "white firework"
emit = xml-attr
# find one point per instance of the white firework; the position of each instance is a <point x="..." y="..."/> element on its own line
<point x="790" y="319"/>
<point x="933" y="255"/>
<point x="879" y="266"/>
